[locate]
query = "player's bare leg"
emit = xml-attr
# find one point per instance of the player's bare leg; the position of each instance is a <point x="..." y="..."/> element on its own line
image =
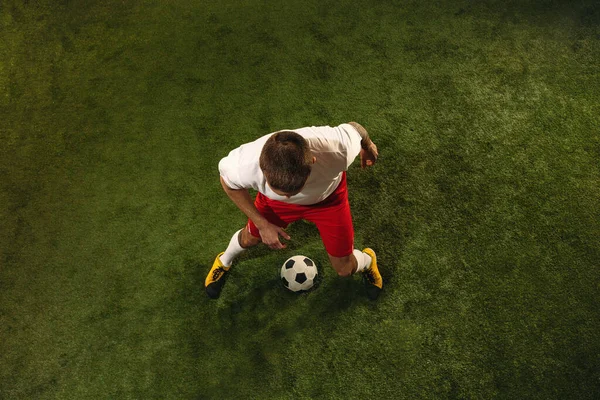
<point x="247" y="239"/>
<point x="344" y="266"/>
<point x="360" y="261"/>
<point x="215" y="279"/>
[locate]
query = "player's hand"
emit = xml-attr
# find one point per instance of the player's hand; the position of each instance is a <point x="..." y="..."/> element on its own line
<point x="368" y="156"/>
<point x="270" y="236"/>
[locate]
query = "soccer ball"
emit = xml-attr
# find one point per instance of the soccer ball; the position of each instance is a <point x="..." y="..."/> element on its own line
<point x="298" y="273"/>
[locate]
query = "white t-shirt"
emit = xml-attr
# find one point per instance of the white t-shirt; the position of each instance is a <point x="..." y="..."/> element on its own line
<point x="335" y="149"/>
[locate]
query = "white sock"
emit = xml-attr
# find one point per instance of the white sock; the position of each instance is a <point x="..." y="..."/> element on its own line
<point x="233" y="250"/>
<point x="363" y="259"/>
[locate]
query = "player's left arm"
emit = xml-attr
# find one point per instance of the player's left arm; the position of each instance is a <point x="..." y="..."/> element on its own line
<point x="368" y="151"/>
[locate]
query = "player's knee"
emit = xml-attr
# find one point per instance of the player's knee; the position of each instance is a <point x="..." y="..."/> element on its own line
<point x="343" y="266"/>
<point x="247" y="240"/>
<point x="344" y="273"/>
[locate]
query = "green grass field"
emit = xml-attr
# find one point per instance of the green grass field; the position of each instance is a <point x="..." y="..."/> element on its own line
<point x="484" y="208"/>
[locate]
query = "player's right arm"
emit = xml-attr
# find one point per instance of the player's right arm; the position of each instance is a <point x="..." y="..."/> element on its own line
<point x="269" y="233"/>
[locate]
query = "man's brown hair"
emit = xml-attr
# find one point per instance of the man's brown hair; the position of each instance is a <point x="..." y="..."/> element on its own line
<point x="286" y="161"/>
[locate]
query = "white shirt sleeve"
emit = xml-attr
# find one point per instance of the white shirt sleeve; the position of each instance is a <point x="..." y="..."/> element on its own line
<point x="229" y="169"/>
<point x="352" y="142"/>
<point x="241" y="168"/>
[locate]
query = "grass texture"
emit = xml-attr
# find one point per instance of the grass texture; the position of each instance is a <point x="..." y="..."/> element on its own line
<point x="484" y="208"/>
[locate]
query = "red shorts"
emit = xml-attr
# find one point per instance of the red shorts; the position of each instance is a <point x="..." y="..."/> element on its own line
<point x="331" y="216"/>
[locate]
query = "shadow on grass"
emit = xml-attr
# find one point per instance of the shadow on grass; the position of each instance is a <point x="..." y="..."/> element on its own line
<point x="244" y="295"/>
<point x="255" y="306"/>
<point x="256" y="323"/>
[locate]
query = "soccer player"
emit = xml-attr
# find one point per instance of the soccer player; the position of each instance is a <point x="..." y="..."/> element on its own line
<point x="298" y="174"/>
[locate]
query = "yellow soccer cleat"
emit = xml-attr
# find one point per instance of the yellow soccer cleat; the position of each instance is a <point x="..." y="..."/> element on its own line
<point x="373" y="280"/>
<point x="216" y="278"/>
